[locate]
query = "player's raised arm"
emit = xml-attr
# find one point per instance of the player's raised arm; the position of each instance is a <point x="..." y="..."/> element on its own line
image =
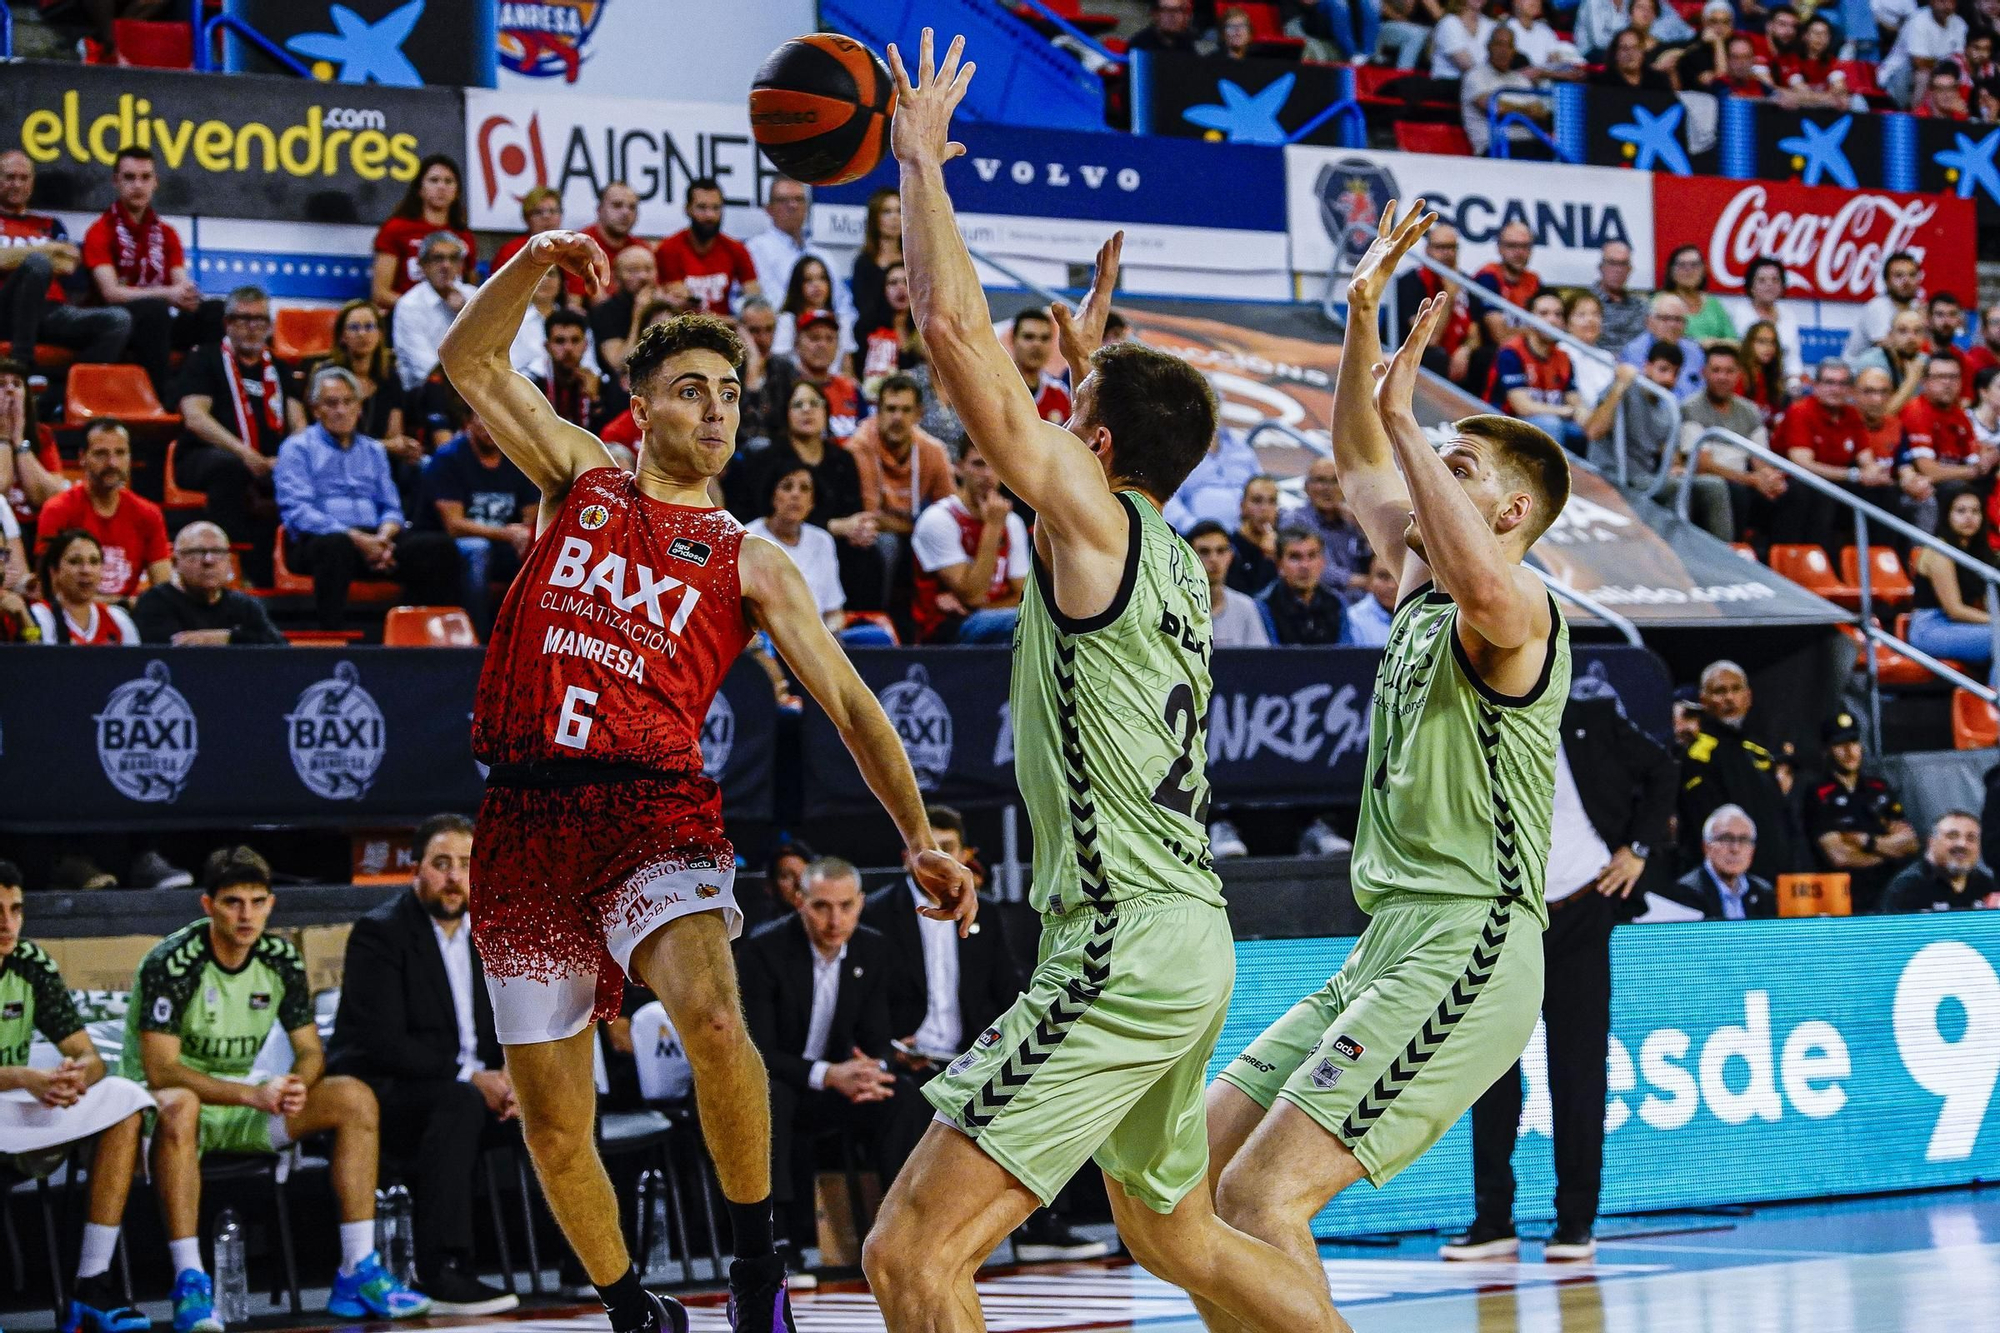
<point x="1499" y="599"/>
<point x="1369" y="478"/>
<point x="474" y="354"/>
<point x="776" y="595"/>
<point x="1042" y="463"/>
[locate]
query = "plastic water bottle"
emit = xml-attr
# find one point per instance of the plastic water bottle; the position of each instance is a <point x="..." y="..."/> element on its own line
<point x="399" y="1255"/>
<point x="385" y="1224"/>
<point x="232" y="1278"/>
<point x="653" y="1212"/>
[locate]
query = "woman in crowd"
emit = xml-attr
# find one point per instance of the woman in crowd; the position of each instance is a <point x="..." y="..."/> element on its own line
<point x="893" y="344"/>
<point x="1667" y="34"/>
<point x="1625" y="67"/>
<point x="881" y="246"/>
<point x="1459" y="41"/>
<point x="1985" y="412"/>
<point x="1811" y="75"/>
<point x="1764" y="371"/>
<point x="1950" y="619"/>
<point x="786" y="508"/>
<point x="1764" y="283"/>
<point x="1687" y="278"/>
<point x="68" y="611"/>
<point x="810" y="288"/>
<point x="434" y="202"/>
<point x="541" y="210"/>
<point x="358" y="347"/>
<point x="1235" y="33"/>
<point x="1600" y="386"/>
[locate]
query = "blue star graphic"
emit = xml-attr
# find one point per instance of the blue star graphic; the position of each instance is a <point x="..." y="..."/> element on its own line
<point x="366" y="52"/>
<point x="1244" y="118"/>
<point x="1974" y="164"/>
<point x="1822" y="151"/>
<point x="1653" y="137"/>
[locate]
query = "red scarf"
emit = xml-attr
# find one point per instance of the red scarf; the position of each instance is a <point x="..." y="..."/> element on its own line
<point x="142" y="259"/>
<point x="274" y="397"/>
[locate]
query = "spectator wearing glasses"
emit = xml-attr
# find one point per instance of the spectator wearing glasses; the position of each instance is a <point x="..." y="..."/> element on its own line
<point x="1722" y="888"/>
<point x="1949" y="877"/>
<point x="434" y="202"/>
<point x="1826" y="435"/>
<point x="1667" y="321"/>
<point x="238" y="403"/>
<point x="1724" y="766"/>
<point x="1172" y="29"/>
<point x="1687" y="278"/>
<point x="198" y="607"/>
<point x="777" y="250"/>
<point x="1938" y="440"/>
<point x="137" y="262"/>
<point x="1625" y="310"/>
<point x="1452" y="346"/>
<point x="425" y="311"/>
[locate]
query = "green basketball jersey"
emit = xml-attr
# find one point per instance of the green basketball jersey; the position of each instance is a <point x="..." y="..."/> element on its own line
<point x="1461" y="780"/>
<point x="1109" y="717"/>
<point x="32" y="997"/>
<point x="222" y="1017"/>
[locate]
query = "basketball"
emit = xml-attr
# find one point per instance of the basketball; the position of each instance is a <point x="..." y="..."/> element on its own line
<point x="820" y="108"/>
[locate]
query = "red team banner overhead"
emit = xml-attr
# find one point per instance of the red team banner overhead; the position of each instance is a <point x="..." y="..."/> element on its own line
<point x="1831" y="241"/>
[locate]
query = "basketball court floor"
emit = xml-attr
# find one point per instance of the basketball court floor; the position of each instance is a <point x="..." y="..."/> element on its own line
<point x="1903" y="1264"/>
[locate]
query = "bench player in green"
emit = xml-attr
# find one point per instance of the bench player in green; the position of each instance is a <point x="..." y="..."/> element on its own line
<point x="1440" y="994"/>
<point x="1105" y="1054"/>
<point x="84" y="1101"/>
<point x="205" y="1001"/>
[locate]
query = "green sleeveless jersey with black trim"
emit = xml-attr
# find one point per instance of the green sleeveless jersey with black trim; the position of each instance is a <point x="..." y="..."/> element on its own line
<point x="222" y="1016"/>
<point x="32" y="999"/>
<point x="1461" y="779"/>
<point x="1110" y="729"/>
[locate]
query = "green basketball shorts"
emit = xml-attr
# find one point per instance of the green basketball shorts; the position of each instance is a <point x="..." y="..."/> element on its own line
<point x="239" y="1129"/>
<point x="1437" y="1000"/>
<point x="1104" y="1055"/>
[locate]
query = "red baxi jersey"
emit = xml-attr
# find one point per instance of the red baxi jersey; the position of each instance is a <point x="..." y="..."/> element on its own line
<point x="615" y="635"/>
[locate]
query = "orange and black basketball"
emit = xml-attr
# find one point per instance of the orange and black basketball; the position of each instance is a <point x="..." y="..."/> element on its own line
<point x="820" y="108"/>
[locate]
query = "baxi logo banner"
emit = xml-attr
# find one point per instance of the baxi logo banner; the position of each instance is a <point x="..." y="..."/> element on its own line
<point x="147" y="739"/>
<point x="337" y="735"/>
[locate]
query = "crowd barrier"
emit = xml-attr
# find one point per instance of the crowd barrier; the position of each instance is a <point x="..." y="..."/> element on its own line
<point x="222" y="737"/>
<point x="1749" y="1061"/>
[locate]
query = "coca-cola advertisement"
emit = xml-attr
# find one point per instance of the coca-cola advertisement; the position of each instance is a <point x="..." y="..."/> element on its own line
<point x="1831" y="241"/>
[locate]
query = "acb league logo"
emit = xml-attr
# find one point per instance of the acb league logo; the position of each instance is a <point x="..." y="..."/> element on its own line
<point x="1352" y="194"/>
<point x="336" y="736"/>
<point x="546" y="39"/>
<point x="922" y="720"/>
<point x="147" y="738"/>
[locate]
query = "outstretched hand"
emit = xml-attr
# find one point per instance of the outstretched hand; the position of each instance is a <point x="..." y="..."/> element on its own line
<point x="921" y="132"/>
<point x="1080" y="333"/>
<point x="1396" y="384"/>
<point x="949" y="885"/>
<point x="1392" y="241"/>
<point x="574" y="253"/>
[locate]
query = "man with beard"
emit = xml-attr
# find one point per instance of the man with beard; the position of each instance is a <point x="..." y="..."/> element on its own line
<point x="415" y="1024"/>
<point x="1901" y="280"/>
<point x="130" y="528"/>
<point x="701" y="268"/>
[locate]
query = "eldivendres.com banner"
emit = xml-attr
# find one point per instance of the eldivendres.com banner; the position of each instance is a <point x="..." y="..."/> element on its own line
<point x="1804" y="1058"/>
<point x="244" y="146"/>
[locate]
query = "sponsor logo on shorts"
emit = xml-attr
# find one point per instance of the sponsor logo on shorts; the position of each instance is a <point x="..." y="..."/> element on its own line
<point x="699" y="863"/>
<point x="707" y="890"/>
<point x="1325" y="1074"/>
<point x="1348" y="1046"/>
<point x="593" y="517"/>
<point x="261" y="1000"/>
<point x="694" y="552"/>
<point x="14" y="1009"/>
<point x="1256" y="1064"/>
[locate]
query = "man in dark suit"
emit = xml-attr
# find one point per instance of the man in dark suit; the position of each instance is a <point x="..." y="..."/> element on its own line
<point x="415" y="1023"/>
<point x="816" y="991"/>
<point x="947" y="991"/>
<point x="1615" y="791"/>
<point x="1722" y="888"/>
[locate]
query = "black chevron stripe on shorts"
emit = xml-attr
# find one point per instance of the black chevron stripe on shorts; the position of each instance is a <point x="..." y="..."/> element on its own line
<point x="1403" y="1070"/>
<point x="1074" y="999"/>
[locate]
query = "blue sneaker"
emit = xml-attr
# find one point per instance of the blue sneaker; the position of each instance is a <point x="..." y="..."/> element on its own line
<point x="96" y="1306"/>
<point x="372" y="1291"/>
<point x="194" y="1303"/>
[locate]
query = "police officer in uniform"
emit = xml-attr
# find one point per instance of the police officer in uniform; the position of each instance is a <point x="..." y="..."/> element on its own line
<point x="1854" y="819"/>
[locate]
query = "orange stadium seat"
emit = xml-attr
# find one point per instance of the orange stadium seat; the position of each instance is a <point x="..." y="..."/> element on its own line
<point x="880" y="619"/>
<point x="1885" y="574"/>
<point x="154" y="45"/>
<point x="123" y="392"/>
<point x="1806" y="564"/>
<point x="1892" y="669"/>
<point x="285" y="583"/>
<point x="1416" y="136"/>
<point x="428" y="627"/>
<point x="1267" y="33"/>
<point x="173" y="496"/>
<point x="301" y="334"/>
<point x="1974" y="724"/>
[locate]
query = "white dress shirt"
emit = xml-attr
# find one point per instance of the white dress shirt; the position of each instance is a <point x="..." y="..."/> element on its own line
<point x="1576" y="854"/>
<point x="421" y="319"/>
<point x="775" y="254"/>
<point x="942" y="1030"/>
<point x="826" y="995"/>
<point x="456" y="947"/>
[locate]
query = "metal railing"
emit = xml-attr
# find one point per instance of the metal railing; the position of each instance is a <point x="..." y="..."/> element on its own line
<point x="208" y="58"/>
<point x="1864" y="512"/>
<point x="1498" y="122"/>
<point x="6" y="33"/>
<point x="1096" y="48"/>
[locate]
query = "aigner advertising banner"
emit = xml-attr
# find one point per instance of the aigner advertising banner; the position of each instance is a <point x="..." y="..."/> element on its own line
<point x="285" y="149"/>
<point x="193" y="737"/>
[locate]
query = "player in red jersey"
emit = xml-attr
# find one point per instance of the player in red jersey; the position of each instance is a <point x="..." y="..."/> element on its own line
<point x="601" y="850"/>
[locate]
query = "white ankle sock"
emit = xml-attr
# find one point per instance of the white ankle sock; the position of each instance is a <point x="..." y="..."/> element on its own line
<point x="98" y="1244"/>
<point x="186" y="1254"/>
<point x="357" y="1242"/>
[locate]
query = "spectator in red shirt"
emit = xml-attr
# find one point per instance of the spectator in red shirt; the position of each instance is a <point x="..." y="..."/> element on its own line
<point x="1742" y="76"/>
<point x="815" y="347"/>
<point x="699" y="265"/>
<point x="1946" y="320"/>
<point x="71" y="566"/>
<point x="1034" y="341"/>
<point x="1825" y="435"/>
<point x="1938" y="442"/>
<point x="541" y="210"/>
<point x="1532" y="378"/>
<point x="130" y="529"/>
<point x="37" y="265"/>
<point x="1985" y="352"/>
<point x="617" y="216"/>
<point x="1510" y="278"/>
<point x="1882" y="425"/>
<point x="31" y="469"/>
<point x="137" y="262"/>
<point x="434" y="202"/>
<point x="572" y="388"/>
<point x="972" y="555"/>
<point x="1811" y="76"/>
<point x="1945" y="98"/>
